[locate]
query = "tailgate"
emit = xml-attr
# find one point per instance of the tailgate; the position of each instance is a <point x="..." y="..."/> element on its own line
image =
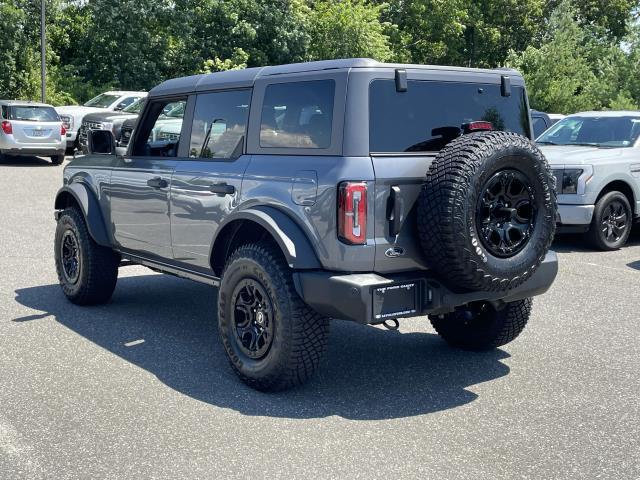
<point x="36" y="132"/>
<point x="397" y="186"/>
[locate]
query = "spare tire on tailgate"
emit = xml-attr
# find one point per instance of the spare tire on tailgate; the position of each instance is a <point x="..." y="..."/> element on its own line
<point x="486" y="213"/>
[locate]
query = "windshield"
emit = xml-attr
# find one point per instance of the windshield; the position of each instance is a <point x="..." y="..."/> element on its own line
<point x="102" y="101"/>
<point x="611" y="132"/>
<point x="135" y="107"/>
<point x="33" y="114"/>
<point x="429" y="114"/>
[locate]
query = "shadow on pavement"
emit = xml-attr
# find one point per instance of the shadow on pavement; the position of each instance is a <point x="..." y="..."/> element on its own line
<point x="368" y="373"/>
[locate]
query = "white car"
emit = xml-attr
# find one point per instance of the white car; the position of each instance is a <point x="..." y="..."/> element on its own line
<point x="595" y="157"/>
<point x="72" y="115"/>
<point x="31" y="128"/>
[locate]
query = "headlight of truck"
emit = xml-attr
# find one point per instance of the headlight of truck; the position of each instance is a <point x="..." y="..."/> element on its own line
<point x="107" y="126"/>
<point x="572" y="180"/>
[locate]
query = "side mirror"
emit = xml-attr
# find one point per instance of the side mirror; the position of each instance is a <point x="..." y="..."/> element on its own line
<point x="119" y="107"/>
<point x="101" y="142"/>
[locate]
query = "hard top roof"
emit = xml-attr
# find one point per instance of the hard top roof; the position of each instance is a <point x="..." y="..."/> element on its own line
<point x="246" y="77"/>
<point x="24" y="103"/>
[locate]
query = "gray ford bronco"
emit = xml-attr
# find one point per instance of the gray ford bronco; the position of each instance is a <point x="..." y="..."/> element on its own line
<point x="345" y="189"/>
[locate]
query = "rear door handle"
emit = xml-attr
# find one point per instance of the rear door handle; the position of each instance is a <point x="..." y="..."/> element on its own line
<point x="157" y="182"/>
<point x="222" y="189"/>
<point x="394" y="213"/>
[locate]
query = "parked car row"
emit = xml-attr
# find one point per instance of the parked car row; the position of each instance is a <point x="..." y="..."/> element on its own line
<point x="595" y="156"/>
<point x="112" y="101"/>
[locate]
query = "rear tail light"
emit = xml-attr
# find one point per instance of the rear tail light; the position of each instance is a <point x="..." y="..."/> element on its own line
<point x="478" y="126"/>
<point x="63" y="131"/>
<point x="352" y="212"/>
<point x="66" y="121"/>
<point x="7" y="128"/>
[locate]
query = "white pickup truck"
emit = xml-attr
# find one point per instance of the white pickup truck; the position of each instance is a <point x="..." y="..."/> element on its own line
<point x="595" y="157"/>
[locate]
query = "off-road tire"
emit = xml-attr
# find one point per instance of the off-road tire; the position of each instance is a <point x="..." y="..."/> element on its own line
<point x="447" y="224"/>
<point x="597" y="237"/>
<point x="98" y="265"/>
<point x="57" y="159"/>
<point x="300" y="336"/>
<point x="467" y="329"/>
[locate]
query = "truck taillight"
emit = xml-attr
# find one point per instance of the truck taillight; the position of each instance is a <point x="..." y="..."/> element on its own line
<point x="63" y="131"/>
<point x="7" y="128"/>
<point x="352" y="212"/>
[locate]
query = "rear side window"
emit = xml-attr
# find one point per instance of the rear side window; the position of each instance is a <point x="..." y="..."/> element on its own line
<point x="297" y="115"/>
<point x="29" y="113"/>
<point x="430" y="114"/>
<point x="219" y="124"/>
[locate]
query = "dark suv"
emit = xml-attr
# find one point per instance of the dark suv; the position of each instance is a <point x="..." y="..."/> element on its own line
<point x="345" y="189"/>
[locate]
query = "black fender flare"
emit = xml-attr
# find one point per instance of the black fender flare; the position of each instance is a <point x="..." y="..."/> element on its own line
<point x="289" y="236"/>
<point x="90" y="208"/>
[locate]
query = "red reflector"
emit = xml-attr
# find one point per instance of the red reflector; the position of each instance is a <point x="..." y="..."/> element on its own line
<point x="352" y="212"/>
<point x="7" y="128"/>
<point x="63" y="131"/>
<point x="477" y="126"/>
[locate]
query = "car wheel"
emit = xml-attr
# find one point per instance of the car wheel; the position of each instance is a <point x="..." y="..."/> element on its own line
<point x="273" y="340"/>
<point x="87" y="271"/>
<point x="480" y="326"/>
<point x="486" y="212"/>
<point x="57" y="159"/>
<point x="612" y="221"/>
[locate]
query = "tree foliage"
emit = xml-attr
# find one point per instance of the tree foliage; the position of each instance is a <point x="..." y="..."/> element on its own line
<point x="349" y="28"/>
<point x="575" y="54"/>
<point x="573" y="70"/>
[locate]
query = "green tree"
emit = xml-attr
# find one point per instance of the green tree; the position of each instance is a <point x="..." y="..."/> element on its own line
<point x="19" y="71"/>
<point x="571" y="70"/>
<point x="429" y="31"/>
<point x="609" y="17"/>
<point x="464" y="32"/>
<point x="238" y="61"/>
<point x="347" y="28"/>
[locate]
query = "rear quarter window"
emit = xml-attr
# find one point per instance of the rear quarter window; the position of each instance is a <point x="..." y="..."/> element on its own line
<point x="297" y="115"/>
<point x="431" y="113"/>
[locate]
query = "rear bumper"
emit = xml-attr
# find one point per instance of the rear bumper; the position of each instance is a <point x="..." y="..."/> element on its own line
<point x="357" y="297"/>
<point x="44" y="151"/>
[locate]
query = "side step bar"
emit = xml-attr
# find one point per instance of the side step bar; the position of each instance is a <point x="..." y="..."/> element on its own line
<point x="131" y="259"/>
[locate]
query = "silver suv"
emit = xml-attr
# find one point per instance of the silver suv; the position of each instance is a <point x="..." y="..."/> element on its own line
<point x="595" y="157"/>
<point x="29" y="128"/>
<point x="345" y="189"/>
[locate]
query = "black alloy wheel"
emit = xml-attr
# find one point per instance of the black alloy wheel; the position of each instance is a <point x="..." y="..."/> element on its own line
<point x="614" y="221"/>
<point x="70" y="255"/>
<point x="506" y="213"/>
<point x="253" y="318"/>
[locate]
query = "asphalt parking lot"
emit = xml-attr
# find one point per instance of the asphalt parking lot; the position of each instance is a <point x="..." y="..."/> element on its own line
<point x="140" y="388"/>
